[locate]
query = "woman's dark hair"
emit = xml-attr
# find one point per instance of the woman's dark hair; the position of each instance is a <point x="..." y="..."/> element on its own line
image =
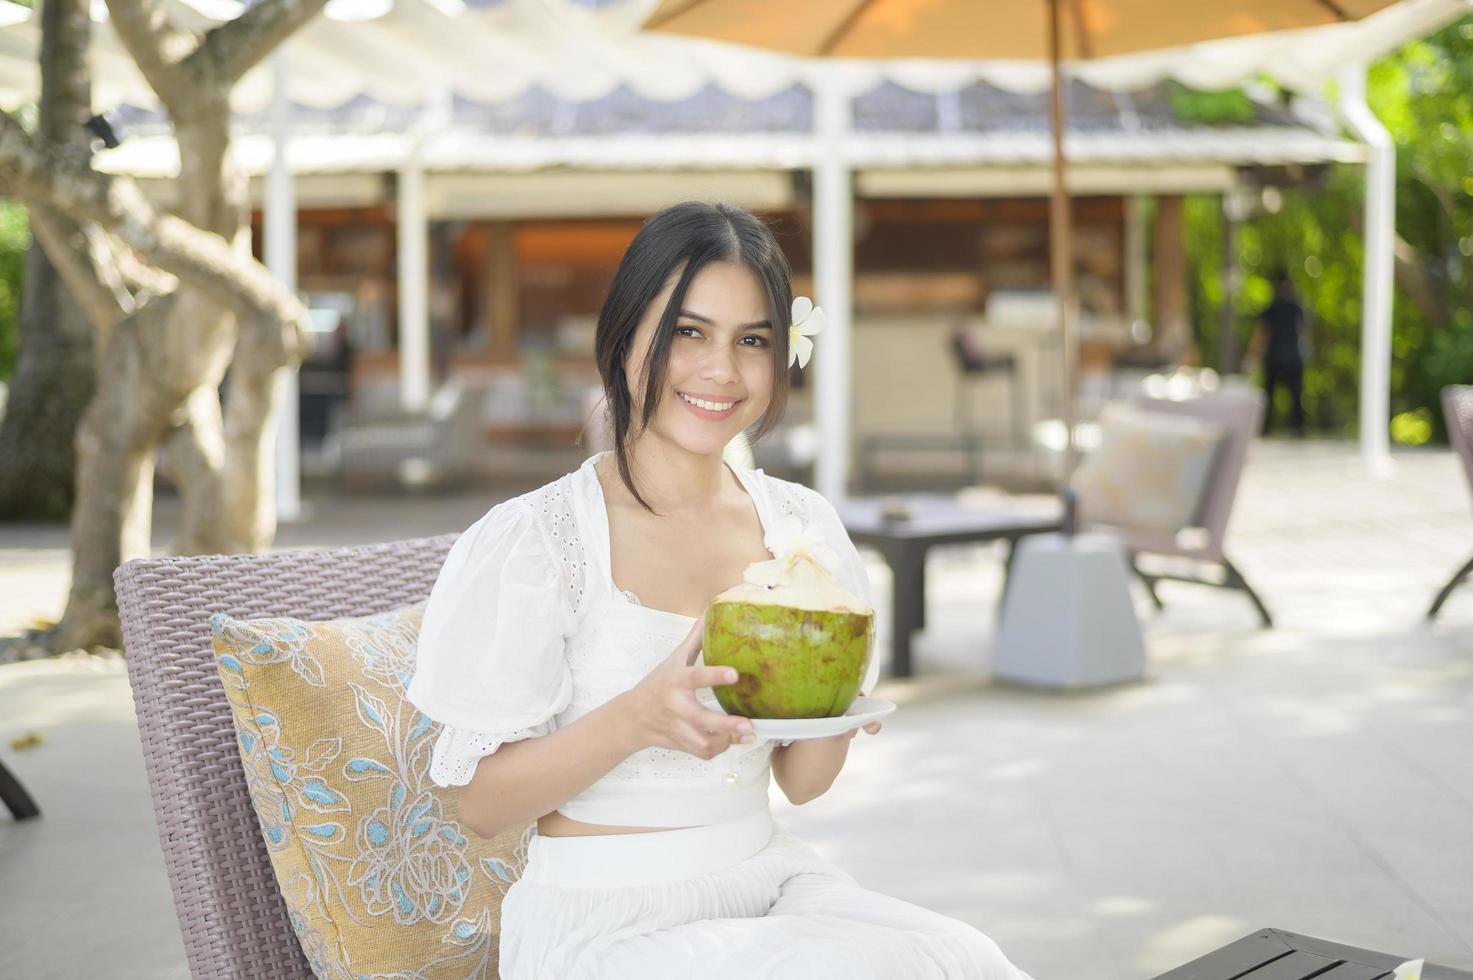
<point x="678" y="242"/>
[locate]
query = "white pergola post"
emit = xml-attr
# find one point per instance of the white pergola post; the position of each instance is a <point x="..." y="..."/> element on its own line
<point x="1379" y="239"/>
<point x="280" y="229"/>
<point x="1136" y="234"/>
<point x="833" y="269"/>
<point x="413" y="228"/>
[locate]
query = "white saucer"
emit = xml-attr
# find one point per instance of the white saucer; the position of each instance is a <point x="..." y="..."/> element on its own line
<point x="861" y="712"/>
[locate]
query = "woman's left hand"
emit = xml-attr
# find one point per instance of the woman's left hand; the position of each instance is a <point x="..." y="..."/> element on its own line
<point x="873" y="728"/>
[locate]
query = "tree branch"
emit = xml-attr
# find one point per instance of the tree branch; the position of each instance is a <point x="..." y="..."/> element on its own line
<point x="100" y="295"/>
<point x="1412" y="276"/>
<point x="1409" y="272"/>
<point x="135" y="276"/>
<point x="48" y="172"/>
<point x="235" y="47"/>
<point x="156" y="46"/>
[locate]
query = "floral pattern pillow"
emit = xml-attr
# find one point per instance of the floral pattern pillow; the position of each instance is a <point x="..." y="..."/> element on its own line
<point x="379" y="877"/>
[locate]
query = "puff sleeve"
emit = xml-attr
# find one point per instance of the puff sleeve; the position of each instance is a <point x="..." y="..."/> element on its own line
<point x="491" y="662"/>
<point x="851" y="572"/>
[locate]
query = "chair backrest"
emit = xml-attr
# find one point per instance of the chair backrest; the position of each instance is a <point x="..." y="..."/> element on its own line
<point x="462" y="435"/>
<point x="1457" y="408"/>
<point x="232" y="916"/>
<point x="1240" y="413"/>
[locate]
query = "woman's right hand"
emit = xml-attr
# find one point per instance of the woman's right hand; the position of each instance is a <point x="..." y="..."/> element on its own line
<point x="662" y="709"/>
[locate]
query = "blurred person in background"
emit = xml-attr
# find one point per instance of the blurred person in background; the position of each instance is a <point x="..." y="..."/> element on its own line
<point x="1279" y="342"/>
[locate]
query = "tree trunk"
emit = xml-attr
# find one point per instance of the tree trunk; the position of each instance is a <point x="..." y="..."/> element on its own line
<point x="250" y="457"/>
<point x="160" y="372"/>
<point x="161" y="369"/>
<point x="196" y="455"/>
<point x="112" y="523"/>
<point x="53" y="377"/>
<point x="215" y="481"/>
<point x="169" y="389"/>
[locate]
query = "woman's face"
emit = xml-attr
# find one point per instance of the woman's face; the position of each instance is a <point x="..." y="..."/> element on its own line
<point x="720" y="354"/>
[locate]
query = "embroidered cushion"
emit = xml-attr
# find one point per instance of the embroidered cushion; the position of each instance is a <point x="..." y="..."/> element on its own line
<point x="378" y="874"/>
<point x="1150" y="471"/>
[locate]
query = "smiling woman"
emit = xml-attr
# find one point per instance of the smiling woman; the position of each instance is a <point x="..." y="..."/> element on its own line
<point x="701" y="300"/>
<point x="561" y="647"/>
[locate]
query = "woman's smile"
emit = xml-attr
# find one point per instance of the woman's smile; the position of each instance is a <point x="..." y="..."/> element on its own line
<point x="712" y="409"/>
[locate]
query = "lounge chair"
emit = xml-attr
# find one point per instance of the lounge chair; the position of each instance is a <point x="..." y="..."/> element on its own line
<point x="379" y="442"/>
<point x="1240" y="412"/>
<point x="13" y="794"/>
<point x="1457" y="407"/>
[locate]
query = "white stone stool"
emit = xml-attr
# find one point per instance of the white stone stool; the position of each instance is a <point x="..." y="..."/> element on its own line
<point x="1068" y="620"/>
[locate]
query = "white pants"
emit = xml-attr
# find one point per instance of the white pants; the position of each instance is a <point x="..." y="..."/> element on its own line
<point x="741" y="900"/>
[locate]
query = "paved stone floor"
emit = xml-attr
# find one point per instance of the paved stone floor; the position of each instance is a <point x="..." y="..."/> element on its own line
<point x="1317" y="776"/>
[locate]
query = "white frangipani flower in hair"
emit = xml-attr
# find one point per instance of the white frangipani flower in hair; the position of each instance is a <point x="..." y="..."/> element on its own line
<point x="808" y="320"/>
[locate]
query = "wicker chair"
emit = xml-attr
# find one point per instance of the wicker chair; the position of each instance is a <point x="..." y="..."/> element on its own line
<point x="1457" y="406"/>
<point x="230" y="911"/>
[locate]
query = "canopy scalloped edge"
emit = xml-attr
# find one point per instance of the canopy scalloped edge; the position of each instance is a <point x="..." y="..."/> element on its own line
<point x="417" y="53"/>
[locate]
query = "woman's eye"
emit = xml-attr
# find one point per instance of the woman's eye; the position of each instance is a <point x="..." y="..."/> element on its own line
<point x="761" y="341"/>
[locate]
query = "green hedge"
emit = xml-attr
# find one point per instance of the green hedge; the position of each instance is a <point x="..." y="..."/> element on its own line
<point x="14" y="239"/>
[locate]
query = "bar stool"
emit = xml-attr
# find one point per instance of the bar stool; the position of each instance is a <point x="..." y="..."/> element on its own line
<point x="977" y="365"/>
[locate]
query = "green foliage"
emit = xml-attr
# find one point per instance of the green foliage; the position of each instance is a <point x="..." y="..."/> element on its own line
<point x="14" y="239"/>
<point x="1423" y="93"/>
<point x="1412" y="428"/>
<point x="1212" y="108"/>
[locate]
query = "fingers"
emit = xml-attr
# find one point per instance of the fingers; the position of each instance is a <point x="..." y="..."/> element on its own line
<point x="715" y="721"/>
<point x="695" y="741"/>
<point x="696" y="678"/>
<point x="873" y="728"/>
<point x="698" y="730"/>
<point x="690" y="647"/>
<point x="704" y="744"/>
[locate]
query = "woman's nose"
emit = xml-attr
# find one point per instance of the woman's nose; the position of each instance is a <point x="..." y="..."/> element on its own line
<point x="720" y="365"/>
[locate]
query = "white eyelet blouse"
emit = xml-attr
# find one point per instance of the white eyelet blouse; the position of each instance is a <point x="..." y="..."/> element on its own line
<point x="525" y="632"/>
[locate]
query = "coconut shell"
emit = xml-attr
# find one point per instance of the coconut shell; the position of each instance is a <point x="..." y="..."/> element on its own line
<point x="799" y="641"/>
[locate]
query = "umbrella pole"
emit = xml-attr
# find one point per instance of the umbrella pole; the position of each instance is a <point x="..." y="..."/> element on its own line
<point x="1061" y="249"/>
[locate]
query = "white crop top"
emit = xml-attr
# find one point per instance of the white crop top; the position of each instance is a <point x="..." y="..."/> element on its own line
<point x="525" y="632"/>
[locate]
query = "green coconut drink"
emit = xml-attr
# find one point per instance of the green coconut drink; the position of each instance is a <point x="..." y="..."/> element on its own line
<point x="799" y="642"/>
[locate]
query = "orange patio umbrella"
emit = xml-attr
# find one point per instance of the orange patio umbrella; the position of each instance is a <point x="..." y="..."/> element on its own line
<point x="1054" y="31"/>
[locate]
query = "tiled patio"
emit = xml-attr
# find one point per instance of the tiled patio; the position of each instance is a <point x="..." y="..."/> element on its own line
<point x="1316" y="777"/>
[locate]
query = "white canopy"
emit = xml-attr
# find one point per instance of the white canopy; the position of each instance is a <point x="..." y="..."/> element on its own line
<point x="492" y="50"/>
